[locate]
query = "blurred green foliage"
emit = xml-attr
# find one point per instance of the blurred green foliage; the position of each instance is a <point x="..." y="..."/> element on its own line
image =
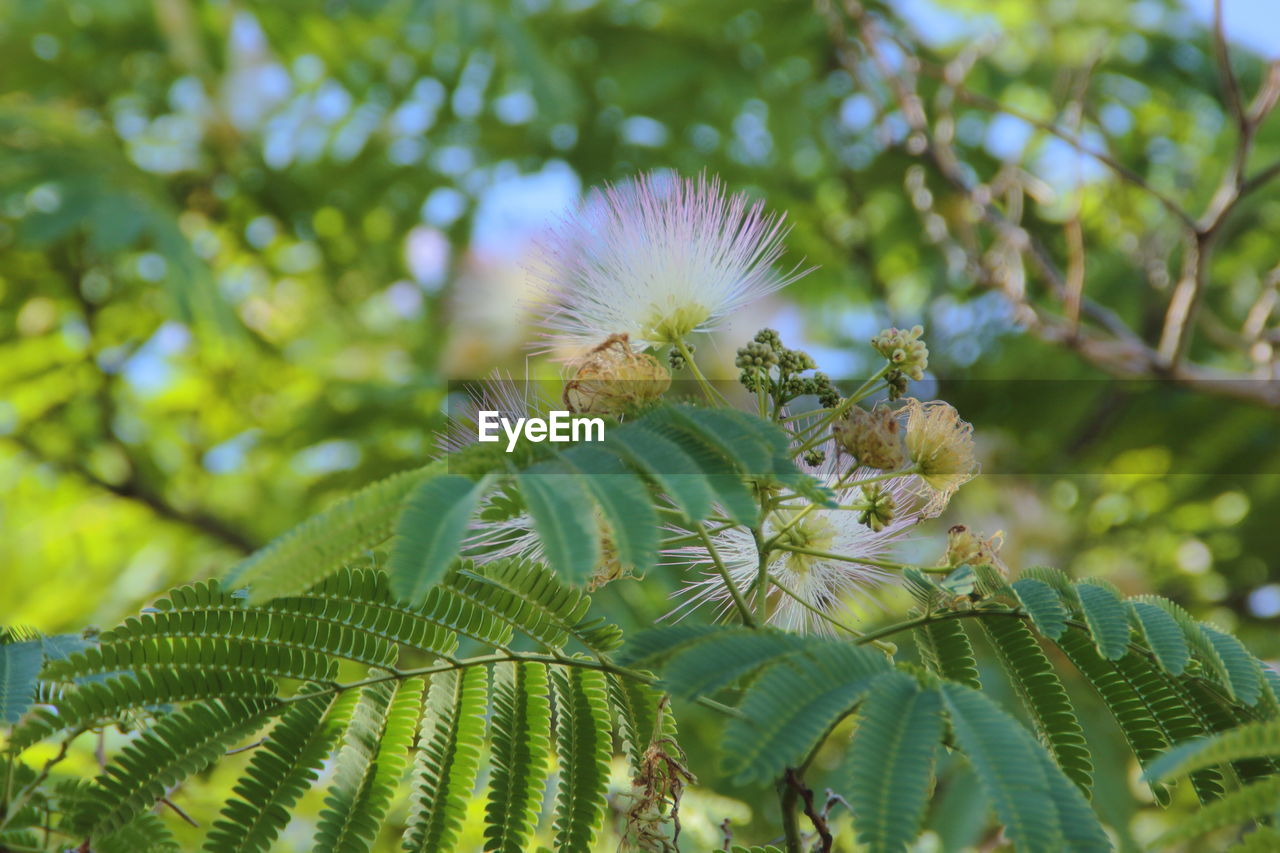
<point x="243" y="245"/>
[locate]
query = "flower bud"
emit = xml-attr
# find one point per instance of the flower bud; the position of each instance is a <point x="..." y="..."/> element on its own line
<point x="904" y="350"/>
<point x="611" y="379"/>
<point x="871" y="437"/>
<point x="966" y="548"/>
<point x="880" y="507"/>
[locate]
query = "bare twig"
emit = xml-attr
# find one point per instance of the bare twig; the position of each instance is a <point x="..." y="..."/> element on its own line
<point x="816" y="817"/>
<point x="1068" y="317"/>
<point x="1230" y="86"/>
<point x="178" y="811"/>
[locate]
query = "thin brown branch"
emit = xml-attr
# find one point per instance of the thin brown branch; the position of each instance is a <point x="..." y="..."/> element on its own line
<point x="132" y="489"/>
<point x="816" y="817"/>
<point x="1122" y="171"/>
<point x="1263" y="175"/>
<point x="178" y="811"/>
<point x="1107" y="341"/>
<point x="1230" y="86"/>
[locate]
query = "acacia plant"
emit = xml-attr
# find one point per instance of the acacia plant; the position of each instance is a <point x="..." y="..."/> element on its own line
<point x="436" y="621"/>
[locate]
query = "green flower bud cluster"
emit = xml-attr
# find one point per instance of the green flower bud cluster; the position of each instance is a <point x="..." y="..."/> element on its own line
<point x="904" y="350"/>
<point x="879" y="507"/>
<point x="676" y="359"/>
<point x="769" y="366"/>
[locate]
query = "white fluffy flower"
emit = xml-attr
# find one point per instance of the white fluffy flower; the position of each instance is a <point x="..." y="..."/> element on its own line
<point x="496" y="531"/>
<point x="656" y="258"/>
<point x="821" y="582"/>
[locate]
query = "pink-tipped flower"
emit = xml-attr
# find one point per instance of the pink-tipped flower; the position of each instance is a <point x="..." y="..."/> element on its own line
<point x="811" y="571"/>
<point x="656" y="258"/>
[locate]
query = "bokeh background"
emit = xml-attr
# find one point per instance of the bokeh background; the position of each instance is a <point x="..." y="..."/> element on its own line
<point x="245" y="245"/>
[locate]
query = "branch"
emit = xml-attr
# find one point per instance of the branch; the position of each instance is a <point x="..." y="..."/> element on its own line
<point x="817" y="818"/>
<point x="1121" y="170"/>
<point x="1230" y="86"/>
<point x="134" y="490"/>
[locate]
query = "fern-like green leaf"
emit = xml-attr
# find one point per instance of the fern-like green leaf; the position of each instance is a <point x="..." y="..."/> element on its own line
<point x="1264" y="839"/>
<point x="753" y="443"/>
<point x="1043" y="605"/>
<point x="177" y="746"/>
<point x="1243" y="671"/>
<point x="448" y="759"/>
<point x="20" y="661"/>
<point x="94" y="702"/>
<point x="1031" y="796"/>
<point x="369" y="766"/>
<point x="792" y="704"/>
<point x="1135" y="719"/>
<point x="889" y="764"/>
<point x="1261" y="799"/>
<point x="323" y="543"/>
<point x="1058" y="581"/>
<point x="944" y="648"/>
<point x="429" y="533"/>
<point x="718" y="462"/>
<point x="282" y="769"/>
<point x="1162" y="634"/>
<point x="625" y="503"/>
<point x="650" y="648"/>
<point x="668" y="466"/>
<point x="193" y="656"/>
<point x="1107" y="619"/>
<point x="1045" y="697"/>
<point x="1220" y="713"/>
<point x="146" y="833"/>
<point x="521" y="722"/>
<point x="563" y="517"/>
<point x="1198" y="642"/>
<point x="1173" y="713"/>
<point x="203" y="611"/>
<point x="531" y="598"/>
<point x="1081" y="831"/>
<point x="726" y="655"/>
<point x="635" y="708"/>
<point x="584" y="743"/>
<point x="1247" y="741"/>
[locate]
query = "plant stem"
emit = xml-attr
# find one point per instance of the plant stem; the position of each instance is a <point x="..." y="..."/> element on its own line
<point x="21" y="800"/>
<point x="787" y="797"/>
<point x="713" y="395"/>
<point x="600" y="664"/>
<point x="844" y="558"/>
<point x="741" y="603"/>
<point x="773" y="579"/>
<point x="762" y="576"/>
<point x="931" y="617"/>
<point x="857" y="396"/>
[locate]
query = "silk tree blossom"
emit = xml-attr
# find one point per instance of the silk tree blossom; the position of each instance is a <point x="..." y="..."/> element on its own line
<point x="656" y="258"/>
<point x="497" y="531"/>
<point x="821" y="582"/>
<point x="499" y="393"/>
<point x="941" y="448"/>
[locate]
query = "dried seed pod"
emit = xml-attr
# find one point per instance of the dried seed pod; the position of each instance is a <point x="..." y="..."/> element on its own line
<point x="612" y="379"/>
<point x="872" y="437"/>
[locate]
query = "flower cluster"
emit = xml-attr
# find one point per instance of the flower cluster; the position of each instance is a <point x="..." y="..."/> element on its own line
<point x="645" y="264"/>
<point x="656" y="259"/>
<point x="770" y="368"/>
